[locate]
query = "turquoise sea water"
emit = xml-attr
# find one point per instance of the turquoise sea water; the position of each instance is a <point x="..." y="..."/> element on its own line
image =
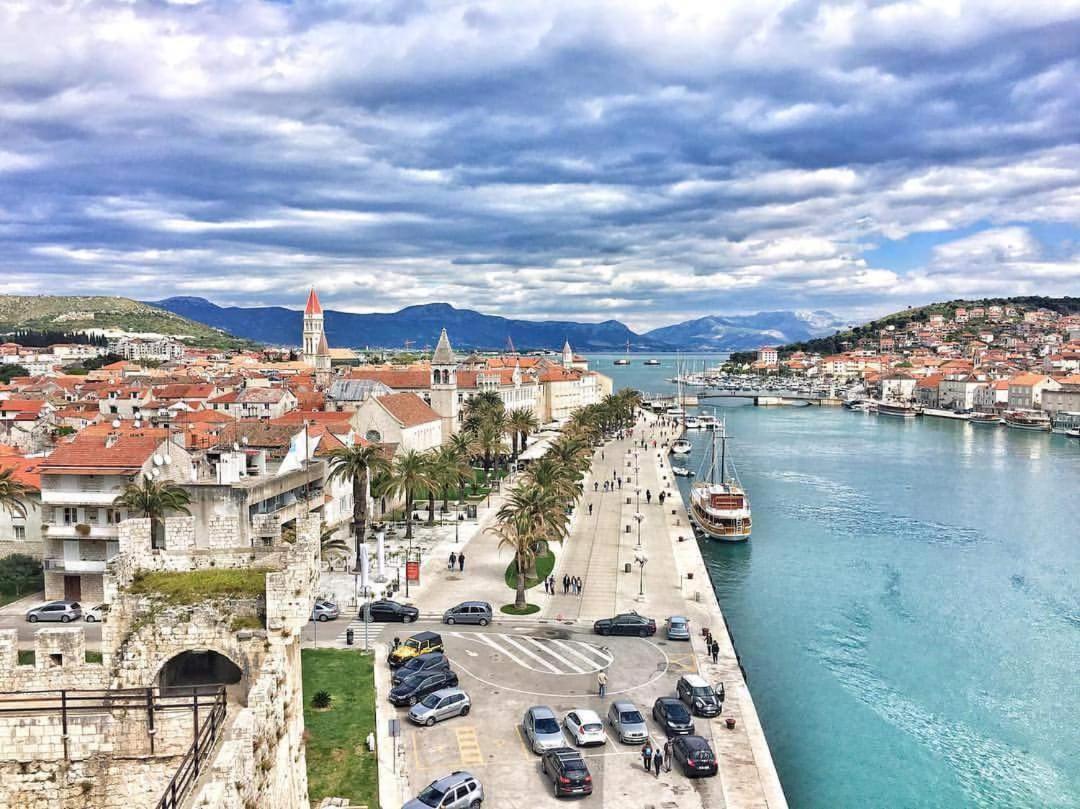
<point x="908" y="609"/>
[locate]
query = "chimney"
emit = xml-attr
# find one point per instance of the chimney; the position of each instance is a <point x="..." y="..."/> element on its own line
<point x="111" y="439"/>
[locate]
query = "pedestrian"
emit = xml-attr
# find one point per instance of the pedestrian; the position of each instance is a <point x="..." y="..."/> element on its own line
<point x="601" y="682"/>
<point x="565" y="583"/>
<point x="648" y="496"/>
<point x="657" y="760"/>
<point x="602" y="456"/>
<point x="715" y="650"/>
<point x="646" y="755"/>
<point x="590" y="509"/>
<point x="461" y="561"/>
<point x="552" y="580"/>
<point x="452" y="562"/>
<point x="662" y="496"/>
<point x="579" y="584"/>
<point x="596" y="486"/>
<point x="620" y="484"/>
<point x="547" y="586"/>
<point x="667" y="755"/>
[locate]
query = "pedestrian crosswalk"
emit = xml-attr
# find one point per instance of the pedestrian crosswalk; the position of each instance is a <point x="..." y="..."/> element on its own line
<point x="544" y="655"/>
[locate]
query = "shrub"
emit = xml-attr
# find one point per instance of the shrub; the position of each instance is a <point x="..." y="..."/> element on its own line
<point x="321" y="700"/>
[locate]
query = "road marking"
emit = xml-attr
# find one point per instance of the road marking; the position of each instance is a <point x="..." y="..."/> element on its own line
<point x="486" y="640"/>
<point x="602" y="654"/>
<point x="547" y="650"/>
<point x="468" y="747"/>
<point x="532" y="654"/>
<point x="571" y="650"/>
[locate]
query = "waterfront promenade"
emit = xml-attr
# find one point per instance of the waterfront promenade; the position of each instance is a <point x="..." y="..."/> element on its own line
<point x="518" y="662"/>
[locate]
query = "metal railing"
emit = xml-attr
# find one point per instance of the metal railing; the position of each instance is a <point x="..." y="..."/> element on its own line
<point x="190" y="768"/>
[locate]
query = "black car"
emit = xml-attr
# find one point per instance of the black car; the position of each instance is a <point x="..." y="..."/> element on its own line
<point x="627" y="623"/>
<point x="387" y="610"/>
<point x="421" y="664"/>
<point x="672" y="716"/>
<point x="698" y="695"/>
<point x="413" y="689"/>
<point x="567" y="771"/>
<point x="694" y="756"/>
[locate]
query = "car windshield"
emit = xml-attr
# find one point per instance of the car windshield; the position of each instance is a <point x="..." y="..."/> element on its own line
<point x="432" y="796"/>
<point x="677" y="712"/>
<point x="678" y="622"/>
<point x="631" y="718"/>
<point x="413" y="680"/>
<point x="430" y="701"/>
<point x="701" y="691"/>
<point x="412" y="644"/>
<point x="547" y="725"/>
<point x="593" y="727"/>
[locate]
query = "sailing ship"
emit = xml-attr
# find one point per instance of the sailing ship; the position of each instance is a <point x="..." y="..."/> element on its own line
<point x="624" y="360"/>
<point x="719" y="505"/>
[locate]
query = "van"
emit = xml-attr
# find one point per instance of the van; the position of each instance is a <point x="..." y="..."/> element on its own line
<point x="469" y="612"/>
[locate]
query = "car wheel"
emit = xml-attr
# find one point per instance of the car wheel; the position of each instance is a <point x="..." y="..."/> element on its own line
<point x="90" y="619"/>
<point x="465" y="711"/>
<point x="65" y="618"/>
<point x="449" y="621"/>
<point x="407" y="619"/>
<point x="413" y="700"/>
<point x="543" y="766"/>
<point x="475" y="804"/>
<point x="644" y="633"/>
<point x="324" y="618"/>
<point x="483" y="622"/>
<point x="605" y="631"/>
<point x="430" y="721"/>
<point x="32" y="619"/>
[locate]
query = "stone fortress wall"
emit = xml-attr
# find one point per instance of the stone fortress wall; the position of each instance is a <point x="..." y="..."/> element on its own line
<point x="106" y="762"/>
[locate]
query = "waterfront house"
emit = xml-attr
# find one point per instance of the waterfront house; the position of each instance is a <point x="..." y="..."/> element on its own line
<point x="898" y="386"/>
<point x="958" y="392"/>
<point x="927" y="390"/>
<point x="21" y="533"/>
<point x="1026" y="389"/>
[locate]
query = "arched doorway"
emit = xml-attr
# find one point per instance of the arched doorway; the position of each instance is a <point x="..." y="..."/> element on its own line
<point x="202" y="667"/>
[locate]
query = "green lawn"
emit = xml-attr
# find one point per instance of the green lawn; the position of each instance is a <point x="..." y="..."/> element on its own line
<point x="199" y="585"/>
<point x="545" y="563"/>
<point x="338" y="762"/>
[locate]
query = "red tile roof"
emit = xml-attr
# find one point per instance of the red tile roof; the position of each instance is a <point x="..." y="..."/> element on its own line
<point x="408" y="409"/>
<point x="412" y="378"/>
<point x="102" y="449"/>
<point x="24" y="470"/>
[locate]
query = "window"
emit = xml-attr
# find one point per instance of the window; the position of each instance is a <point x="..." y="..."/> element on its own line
<point x="20" y="532"/>
<point x="71" y="515"/>
<point x="91" y="515"/>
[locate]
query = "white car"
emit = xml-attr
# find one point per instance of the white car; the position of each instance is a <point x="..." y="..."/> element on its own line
<point x="585" y="727"/>
<point x="95" y="614"/>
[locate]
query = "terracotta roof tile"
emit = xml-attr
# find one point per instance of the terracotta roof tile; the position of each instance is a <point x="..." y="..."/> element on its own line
<point x="408" y="409"/>
<point x="100" y="448"/>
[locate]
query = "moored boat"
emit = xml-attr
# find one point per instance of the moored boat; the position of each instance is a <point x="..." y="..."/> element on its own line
<point x="681" y="471"/>
<point x="652" y="362"/>
<point x="692" y="423"/>
<point x="681" y="447"/>
<point x="897" y="410"/>
<point x="1034" y="420"/>
<point x="719" y="506"/>
<point x="985" y="419"/>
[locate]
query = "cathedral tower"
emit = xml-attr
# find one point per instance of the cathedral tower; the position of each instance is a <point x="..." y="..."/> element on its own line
<point x="444" y="392"/>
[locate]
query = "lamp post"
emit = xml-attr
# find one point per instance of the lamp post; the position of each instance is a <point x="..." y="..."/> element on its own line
<point x="639" y="517"/>
<point x="641" y="559"/>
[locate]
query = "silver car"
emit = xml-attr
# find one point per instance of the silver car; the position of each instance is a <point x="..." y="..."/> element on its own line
<point x="440" y="705"/>
<point x="542" y="731"/>
<point x="469" y="612"/>
<point x="678" y="628"/>
<point x="325" y="611"/>
<point x="626" y="722"/>
<point x="459" y="790"/>
<point x="63" y="611"/>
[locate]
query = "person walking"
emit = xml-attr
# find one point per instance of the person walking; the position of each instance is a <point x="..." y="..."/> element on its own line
<point x="461" y="562"/>
<point x="596" y="486"/>
<point x="579" y="585"/>
<point x="657" y="760"/>
<point x="662" y="496"/>
<point x="620" y="483"/>
<point x="601" y="682"/>
<point x="715" y="650"/>
<point x="646" y="755"/>
<point x="547" y="586"/>
<point x="453" y="561"/>
<point x="590" y="509"/>
<point x="565" y="583"/>
<point x="667" y="755"/>
<point x="648" y="496"/>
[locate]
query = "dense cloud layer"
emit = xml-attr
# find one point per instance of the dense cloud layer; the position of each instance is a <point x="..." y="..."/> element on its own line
<point x="652" y="161"/>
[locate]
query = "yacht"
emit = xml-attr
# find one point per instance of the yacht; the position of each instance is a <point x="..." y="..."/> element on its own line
<point x="1073" y="433"/>
<point x="681" y="447"/>
<point x="681" y="471"/>
<point x="652" y="362"/>
<point x="719" y="505"/>
<point x="1034" y="420"/>
<point x="692" y="423"/>
<point x="624" y="360"/>
<point x="897" y="409"/>
<point x="985" y="419"/>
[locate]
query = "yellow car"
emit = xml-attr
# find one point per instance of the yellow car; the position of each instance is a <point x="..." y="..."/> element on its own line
<point x="418" y="644"/>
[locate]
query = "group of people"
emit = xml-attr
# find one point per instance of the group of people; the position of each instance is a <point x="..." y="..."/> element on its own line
<point x="571" y="585"/>
<point x="656" y="757"/>
<point x="457" y="559"/>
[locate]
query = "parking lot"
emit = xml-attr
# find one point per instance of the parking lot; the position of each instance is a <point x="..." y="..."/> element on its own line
<point x="505" y="669"/>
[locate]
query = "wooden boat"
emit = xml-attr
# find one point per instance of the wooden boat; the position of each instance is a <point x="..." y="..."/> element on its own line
<point x="719" y="506"/>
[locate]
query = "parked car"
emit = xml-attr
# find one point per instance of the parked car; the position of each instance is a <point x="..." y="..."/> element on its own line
<point x="672" y="716"/>
<point x="542" y="730"/>
<point x="678" y="628"/>
<point x="95" y="614"/>
<point x="698" y="695"/>
<point x="585" y="727"/>
<point x="324" y="610"/>
<point x="459" y="790"/>
<point x="694" y="756"/>
<point x="627" y="623"/>
<point x="389" y="611"/>
<point x="62" y="611"/>
<point x="418" y="644"/>
<point x="432" y="661"/>
<point x="413" y="689"/>
<point x="626" y="722"/>
<point x="440" y="705"/>
<point x="567" y="771"/>
<point x="469" y="612"/>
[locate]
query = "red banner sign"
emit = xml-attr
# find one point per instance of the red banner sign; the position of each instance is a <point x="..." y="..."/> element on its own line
<point x="412" y="571"/>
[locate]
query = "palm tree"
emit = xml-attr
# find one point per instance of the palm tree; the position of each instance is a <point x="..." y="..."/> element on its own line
<point x="358" y="464"/>
<point x="453" y="472"/>
<point x="330" y="543"/>
<point x="12" y="494"/>
<point x="522" y="421"/>
<point x="490" y="440"/>
<point x="153" y="500"/>
<point x="549" y="474"/>
<point x="530" y="516"/>
<point x="408" y="473"/>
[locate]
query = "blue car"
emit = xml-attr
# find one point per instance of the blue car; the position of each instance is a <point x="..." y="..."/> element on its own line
<point x="678" y="628"/>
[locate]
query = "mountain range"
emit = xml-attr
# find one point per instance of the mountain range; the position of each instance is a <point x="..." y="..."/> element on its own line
<point x="420" y="325"/>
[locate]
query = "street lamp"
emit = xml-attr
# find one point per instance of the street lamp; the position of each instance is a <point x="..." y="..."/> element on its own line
<point x="639" y="517"/>
<point x="641" y="559"/>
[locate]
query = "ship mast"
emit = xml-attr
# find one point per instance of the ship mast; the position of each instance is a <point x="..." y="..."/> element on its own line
<point x="723" y="449"/>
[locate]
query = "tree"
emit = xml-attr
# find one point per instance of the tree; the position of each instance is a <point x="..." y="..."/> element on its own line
<point x="358" y="464"/>
<point x="20" y="574"/>
<point x="154" y="500"/>
<point x="13" y="494"/>
<point x="490" y="440"/>
<point x="9" y="372"/>
<point x="330" y="543"/>
<point x="408" y="473"/>
<point x="530" y="516"/>
<point x="522" y="422"/>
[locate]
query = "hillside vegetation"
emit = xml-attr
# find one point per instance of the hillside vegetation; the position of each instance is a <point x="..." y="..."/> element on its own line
<point x="834" y="343"/>
<point x="72" y="312"/>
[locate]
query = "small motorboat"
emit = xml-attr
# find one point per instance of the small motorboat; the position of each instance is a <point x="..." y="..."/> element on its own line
<point x="681" y="447"/>
<point x="681" y="471"/>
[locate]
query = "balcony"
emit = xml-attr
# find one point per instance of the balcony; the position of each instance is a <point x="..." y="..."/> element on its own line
<point x="75" y="497"/>
<point x="61" y="531"/>
<point x="74" y="566"/>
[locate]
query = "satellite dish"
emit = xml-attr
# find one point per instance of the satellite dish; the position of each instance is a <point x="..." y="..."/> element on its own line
<point x="167" y="459"/>
<point x="138" y="423"/>
<point x="155" y="472"/>
<point x="157" y="460"/>
<point x="116" y="423"/>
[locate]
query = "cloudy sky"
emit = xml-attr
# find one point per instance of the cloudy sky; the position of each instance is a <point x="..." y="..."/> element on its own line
<point x="650" y="161"/>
